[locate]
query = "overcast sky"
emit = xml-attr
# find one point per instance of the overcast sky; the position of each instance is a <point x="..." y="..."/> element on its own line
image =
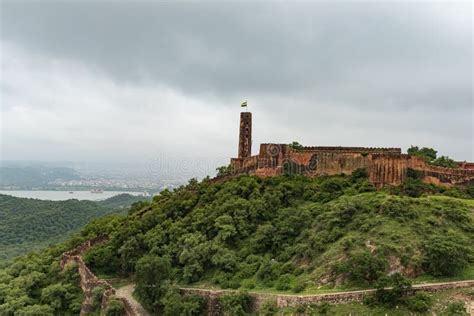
<point x="140" y="81"/>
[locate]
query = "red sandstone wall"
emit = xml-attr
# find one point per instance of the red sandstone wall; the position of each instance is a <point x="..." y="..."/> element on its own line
<point x="386" y="166"/>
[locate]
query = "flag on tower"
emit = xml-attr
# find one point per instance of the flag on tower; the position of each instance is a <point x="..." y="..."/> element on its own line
<point x="244" y="104"/>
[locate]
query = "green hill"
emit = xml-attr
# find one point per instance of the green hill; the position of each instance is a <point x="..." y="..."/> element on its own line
<point x="28" y="224"/>
<point x="288" y="234"/>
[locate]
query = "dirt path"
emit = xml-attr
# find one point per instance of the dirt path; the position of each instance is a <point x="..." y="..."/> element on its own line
<point x="126" y="292"/>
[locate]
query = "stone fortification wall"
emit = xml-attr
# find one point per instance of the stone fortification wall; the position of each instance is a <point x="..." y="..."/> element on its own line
<point x="89" y="281"/>
<point x="386" y="166"/>
<point x="284" y="300"/>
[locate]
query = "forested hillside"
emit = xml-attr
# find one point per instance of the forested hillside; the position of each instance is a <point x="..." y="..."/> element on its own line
<point x="290" y="234"/>
<point x="28" y="224"/>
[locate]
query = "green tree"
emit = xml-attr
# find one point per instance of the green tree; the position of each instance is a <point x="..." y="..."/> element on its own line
<point x="224" y="170"/>
<point x="445" y="161"/>
<point x="428" y="154"/>
<point x="296" y="146"/>
<point x="152" y="272"/>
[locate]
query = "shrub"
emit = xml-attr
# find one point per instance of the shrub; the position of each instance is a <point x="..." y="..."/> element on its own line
<point x="364" y="267"/>
<point x="298" y="287"/>
<point x="248" y="284"/>
<point x="176" y="304"/>
<point x="236" y="304"/>
<point x="324" y="308"/>
<point x="413" y="187"/>
<point x="446" y="255"/>
<point x="115" y="307"/>
<point x="97" y="294"/>
<point x="399" y="291"/>
<point x="268" y="308"/>
<point x="420" y="303"/>
<point x="283" y="283"/>
<point x="455" y="309"/>
<point x="360" y="173"/>
<point x="301" y="309"/>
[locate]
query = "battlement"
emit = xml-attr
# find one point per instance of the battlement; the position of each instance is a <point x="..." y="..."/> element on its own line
<point x="386" y="166"/>
<point x="353" y="149"/>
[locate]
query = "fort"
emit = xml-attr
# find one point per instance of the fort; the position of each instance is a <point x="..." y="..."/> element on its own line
<point x="385" y="166"/>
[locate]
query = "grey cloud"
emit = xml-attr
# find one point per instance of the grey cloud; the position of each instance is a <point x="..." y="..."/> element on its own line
<point x="348" y="50"/>
<point x="334" y="73"/>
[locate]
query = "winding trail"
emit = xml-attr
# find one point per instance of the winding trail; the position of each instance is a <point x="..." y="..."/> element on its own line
<point x="126" y="293"/>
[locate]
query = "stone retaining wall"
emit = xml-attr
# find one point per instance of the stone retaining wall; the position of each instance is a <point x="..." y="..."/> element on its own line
<point x="284" y="300"/>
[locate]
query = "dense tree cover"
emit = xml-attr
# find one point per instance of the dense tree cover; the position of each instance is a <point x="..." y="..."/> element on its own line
<point x="289" y="233"/>
<point x="35" y="285"/>
<point x="284" y="232"/>
<point x="28" y="224"/>
<point x="430" y="156"/>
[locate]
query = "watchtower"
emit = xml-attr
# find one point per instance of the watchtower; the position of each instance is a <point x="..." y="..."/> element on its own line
<point x="245" y="135"/>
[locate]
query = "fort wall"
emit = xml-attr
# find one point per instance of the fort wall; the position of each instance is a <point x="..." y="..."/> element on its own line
<point x="89" y="281"/>
<point x="385" y="166"/>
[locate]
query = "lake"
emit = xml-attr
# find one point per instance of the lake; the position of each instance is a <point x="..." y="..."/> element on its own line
<point x="65" y="195"/>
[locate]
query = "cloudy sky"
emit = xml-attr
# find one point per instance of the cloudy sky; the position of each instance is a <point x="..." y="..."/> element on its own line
<point x="139" y="81"/>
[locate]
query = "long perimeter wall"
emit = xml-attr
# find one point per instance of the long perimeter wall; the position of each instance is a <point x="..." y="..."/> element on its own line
<point x="386" y="166"/>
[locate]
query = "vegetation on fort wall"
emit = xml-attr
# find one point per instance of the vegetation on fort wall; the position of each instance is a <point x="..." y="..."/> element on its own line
<point x="28" y="224"/>
<point x="430" y="156"/>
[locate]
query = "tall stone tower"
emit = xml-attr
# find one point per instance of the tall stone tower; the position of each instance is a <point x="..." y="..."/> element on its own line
<point x="245" y="135"/>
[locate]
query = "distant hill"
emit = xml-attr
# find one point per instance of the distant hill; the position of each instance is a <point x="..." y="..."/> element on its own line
<point x="34" y="176"/>
<point x="28" y="224"/>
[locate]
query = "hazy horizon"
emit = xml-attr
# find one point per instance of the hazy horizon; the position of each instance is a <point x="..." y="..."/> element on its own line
<point x="123" y="82"/>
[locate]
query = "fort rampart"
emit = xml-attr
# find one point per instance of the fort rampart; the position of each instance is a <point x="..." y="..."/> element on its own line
<point x="385" y="166"/>
<point x="89" y="281"/>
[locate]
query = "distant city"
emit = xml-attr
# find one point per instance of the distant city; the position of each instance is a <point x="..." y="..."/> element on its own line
<point x="65" y="176"/>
